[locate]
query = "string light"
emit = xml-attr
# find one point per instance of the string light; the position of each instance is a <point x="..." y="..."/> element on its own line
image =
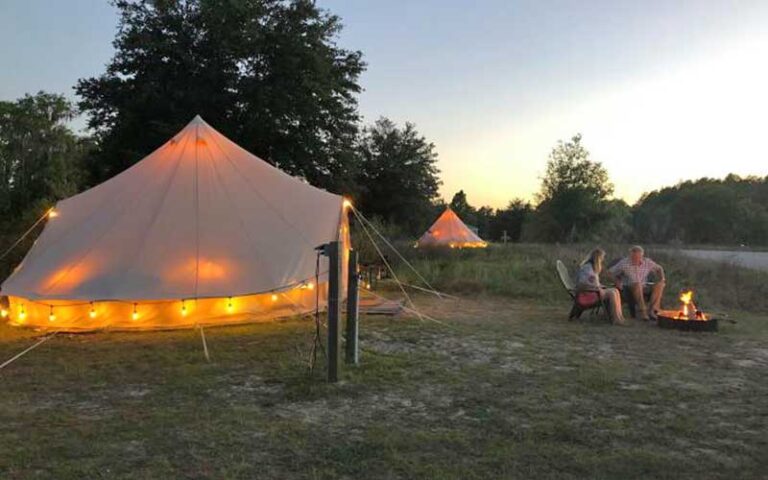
<point x="135" y="315"/>
<point x="230" y="307"/>
<point x="92" y="313"/>
<point x="310" y="286"/>
<point x="183" y="309"/>
<point x="51" y="316"/>
<point x="22" y="313"/>
<point x="274" y="297"/>
<point x="52" y="213"/>
<point x="3" y="313"/>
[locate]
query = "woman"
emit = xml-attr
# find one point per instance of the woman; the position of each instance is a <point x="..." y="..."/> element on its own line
<point x="588" y="285"/>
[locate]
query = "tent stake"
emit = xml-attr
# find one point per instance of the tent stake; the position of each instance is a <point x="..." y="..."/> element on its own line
<point x="205" y="345"/>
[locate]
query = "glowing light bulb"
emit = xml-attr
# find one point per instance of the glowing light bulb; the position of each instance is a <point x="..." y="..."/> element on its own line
<point x="92" y="313"/>
<point x="22" y="314"/>
<point x="230" y="307"/>
<point x="51" y="316"/>
<point x="135" y="315"/>
<point x="3" y="313"/>
<point x="183" y="309"/>
<point x="310" y="286"/>
<point x="274" y="297"/>
<point x="347" y="203"/>
<point x="52" y="213"/>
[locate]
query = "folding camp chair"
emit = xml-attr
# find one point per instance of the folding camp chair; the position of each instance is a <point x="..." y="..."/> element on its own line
<point x="567" y="281"/>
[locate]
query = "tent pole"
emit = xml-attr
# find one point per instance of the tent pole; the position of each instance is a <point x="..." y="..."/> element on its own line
<point x="353" y="279"/>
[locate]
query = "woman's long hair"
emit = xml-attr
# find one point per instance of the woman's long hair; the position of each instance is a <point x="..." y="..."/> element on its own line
<point x="595" y="258"/>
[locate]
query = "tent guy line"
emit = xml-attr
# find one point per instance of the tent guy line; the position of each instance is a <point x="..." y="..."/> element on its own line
<point x="400" y="284"/>
<point x="412" y="310"/>
<point x="362" y="218"/>
<point x="27" y="350"/>
<point x="386" y="262"/>
<point x="50" y="213"/>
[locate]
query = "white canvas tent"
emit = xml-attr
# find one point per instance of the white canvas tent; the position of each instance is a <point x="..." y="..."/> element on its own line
<point x="449" y="231"/>
<point x="199" y="232"/>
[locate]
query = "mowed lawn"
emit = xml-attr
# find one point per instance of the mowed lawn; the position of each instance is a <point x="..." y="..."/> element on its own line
<point x="508" y="389"/>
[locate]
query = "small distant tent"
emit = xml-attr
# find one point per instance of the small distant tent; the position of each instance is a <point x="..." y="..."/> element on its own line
<point x="449" y="231"/>
<point x="200" y="232"/>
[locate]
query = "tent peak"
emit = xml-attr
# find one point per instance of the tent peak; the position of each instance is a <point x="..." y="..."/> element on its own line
<point x="198" y="120"/>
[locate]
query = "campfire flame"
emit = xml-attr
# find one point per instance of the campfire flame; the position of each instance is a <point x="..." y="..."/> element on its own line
<point x="689" y="310"/>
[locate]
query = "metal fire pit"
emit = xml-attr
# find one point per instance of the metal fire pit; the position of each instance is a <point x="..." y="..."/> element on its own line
<point x="671" y="319"/>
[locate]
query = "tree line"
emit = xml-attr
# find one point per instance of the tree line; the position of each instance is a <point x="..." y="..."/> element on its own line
<point x="575" y="204"/>
<point x="270" y="75"/>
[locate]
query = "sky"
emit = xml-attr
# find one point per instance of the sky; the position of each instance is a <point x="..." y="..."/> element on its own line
<point x="662" y="91"/>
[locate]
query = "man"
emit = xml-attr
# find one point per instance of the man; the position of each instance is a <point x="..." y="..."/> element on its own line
<point x="631" y="276"/>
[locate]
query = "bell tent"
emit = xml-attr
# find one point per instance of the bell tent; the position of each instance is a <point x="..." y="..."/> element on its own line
<point x="200" y="232"/>
<point x="449" y="231"/>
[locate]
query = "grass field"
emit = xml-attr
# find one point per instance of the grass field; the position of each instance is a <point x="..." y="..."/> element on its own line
<point x="508" y="389"/>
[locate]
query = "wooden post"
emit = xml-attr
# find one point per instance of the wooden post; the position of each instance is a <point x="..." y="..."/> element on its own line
<point x="333" y="251"/>
<point x="353" y="279"/>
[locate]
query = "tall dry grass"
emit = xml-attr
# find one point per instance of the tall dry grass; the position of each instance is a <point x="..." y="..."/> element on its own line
<point x="527" y="271"/>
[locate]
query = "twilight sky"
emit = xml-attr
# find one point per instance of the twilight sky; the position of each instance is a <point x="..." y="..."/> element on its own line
<point x="662" y="90"/>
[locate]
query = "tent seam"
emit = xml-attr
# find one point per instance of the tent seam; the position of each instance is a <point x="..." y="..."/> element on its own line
<point x="267" y="202"/>
<point x="233" y="205"/>
<point x="140" y="248"/>
<point x="90" y="248"/>
<point x="196" y="196"/>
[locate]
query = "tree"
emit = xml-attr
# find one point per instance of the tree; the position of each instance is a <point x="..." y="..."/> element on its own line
<point x="616" y="224"/>
<point x="570" y="169"/>
<point x="40" y="163"/>
<point x="397" y="175"/>
<point x="267" y="73"/>
<point x="573" y="195"/>
<point x="484" y="218"/>
<point x="510" y="220"/>
<point x="710" y="211"/>
<point x="463" y="209"/>
<point x="40" y="158"/>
